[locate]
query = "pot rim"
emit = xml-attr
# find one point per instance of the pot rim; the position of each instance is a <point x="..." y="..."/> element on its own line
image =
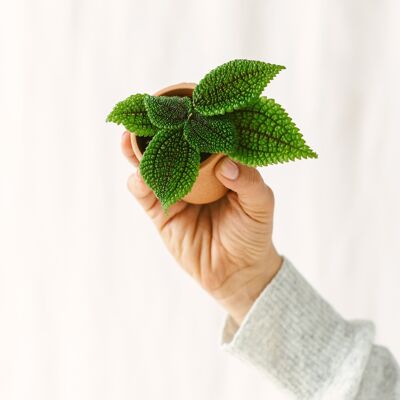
<point x="139" y="154"/>
<point x="169" y="89"/>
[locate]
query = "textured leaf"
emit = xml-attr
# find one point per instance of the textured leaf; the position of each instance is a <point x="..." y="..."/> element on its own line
<point x="267" y="135"/>
<point x="170" y="166"/>
<point x="232" y="85"/>
<point x="210" y="134"/>
<point x="132" y="114"/>
<point x="168" y="111"/>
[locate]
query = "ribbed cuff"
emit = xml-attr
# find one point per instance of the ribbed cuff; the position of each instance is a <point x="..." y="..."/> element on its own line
<point x="296" y="338"/>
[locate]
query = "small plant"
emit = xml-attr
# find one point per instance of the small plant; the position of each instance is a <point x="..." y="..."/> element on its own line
<point x="224" y="115"/>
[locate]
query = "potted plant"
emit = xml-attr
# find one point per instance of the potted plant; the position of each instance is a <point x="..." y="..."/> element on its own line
<point x="180" y="132"/>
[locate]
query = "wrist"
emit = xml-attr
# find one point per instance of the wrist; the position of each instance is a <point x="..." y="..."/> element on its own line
<point x="246" y="285"/>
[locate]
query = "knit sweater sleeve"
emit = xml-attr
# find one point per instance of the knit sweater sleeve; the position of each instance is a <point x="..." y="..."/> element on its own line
<point x="293" y="336"/>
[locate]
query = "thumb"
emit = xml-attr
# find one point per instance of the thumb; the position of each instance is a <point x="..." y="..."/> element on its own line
<point x="255" y="197"/>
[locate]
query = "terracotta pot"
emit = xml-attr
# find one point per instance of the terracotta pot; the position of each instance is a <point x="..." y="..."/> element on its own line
<point x="207" y="187"/>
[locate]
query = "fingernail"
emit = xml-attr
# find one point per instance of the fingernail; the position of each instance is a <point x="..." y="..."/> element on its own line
<point x="229" y="169"/>
<point x="124" y="134"/>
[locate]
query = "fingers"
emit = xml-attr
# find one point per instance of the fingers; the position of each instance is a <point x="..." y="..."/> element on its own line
<point x="255" y="197"/>
<point x="126" y="148"/>
<point x="136" y="185"/>
<point x="143" y="193"/>
<point x="147" y="199"/>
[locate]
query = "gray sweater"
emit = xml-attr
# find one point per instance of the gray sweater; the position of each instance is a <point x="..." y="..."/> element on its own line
<point x="297" y="339"/>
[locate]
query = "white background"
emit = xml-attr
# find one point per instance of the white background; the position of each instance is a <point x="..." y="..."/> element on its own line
<point x="91" y="304"/>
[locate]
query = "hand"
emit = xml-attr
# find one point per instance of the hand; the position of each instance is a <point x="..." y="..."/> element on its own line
<point x="226" y="246"/>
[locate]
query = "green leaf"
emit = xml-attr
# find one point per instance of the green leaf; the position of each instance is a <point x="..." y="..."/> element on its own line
<point x="210" y="134"/>
<point x="132" y="114"/>
<point x="267" y="135"/>
<point x="168" y="112"/>
<point x="170" y="166"/>
<point x="232" y="85"/>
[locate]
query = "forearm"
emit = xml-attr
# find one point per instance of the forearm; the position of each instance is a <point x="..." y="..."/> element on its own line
<point x="300" y="341"/>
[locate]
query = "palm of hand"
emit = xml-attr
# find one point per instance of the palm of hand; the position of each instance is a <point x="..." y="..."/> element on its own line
<point x="218" y="241"/>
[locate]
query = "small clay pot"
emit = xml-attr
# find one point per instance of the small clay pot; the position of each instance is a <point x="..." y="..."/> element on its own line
<point x="207" y="188"/>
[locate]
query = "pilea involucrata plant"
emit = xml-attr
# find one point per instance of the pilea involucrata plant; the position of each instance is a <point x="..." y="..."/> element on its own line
<point x="224" y="115"/>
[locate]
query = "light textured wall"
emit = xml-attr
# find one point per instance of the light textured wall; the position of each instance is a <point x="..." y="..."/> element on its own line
<point x="91" y="304"/>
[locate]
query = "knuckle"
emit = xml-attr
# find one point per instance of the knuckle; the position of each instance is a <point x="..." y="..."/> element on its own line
<point x="153" y="208"/>
<point x="269" y="191"/>
<point x="269" y="194"/>
<point x="253" y="176"/>
<point x="130" y="183"/>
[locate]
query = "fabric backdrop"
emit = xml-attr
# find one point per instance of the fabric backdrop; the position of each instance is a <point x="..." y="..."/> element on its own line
<point x="91" y="304"/>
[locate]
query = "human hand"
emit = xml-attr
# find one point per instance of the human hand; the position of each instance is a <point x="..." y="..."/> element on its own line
<point x="226" y="246"/>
